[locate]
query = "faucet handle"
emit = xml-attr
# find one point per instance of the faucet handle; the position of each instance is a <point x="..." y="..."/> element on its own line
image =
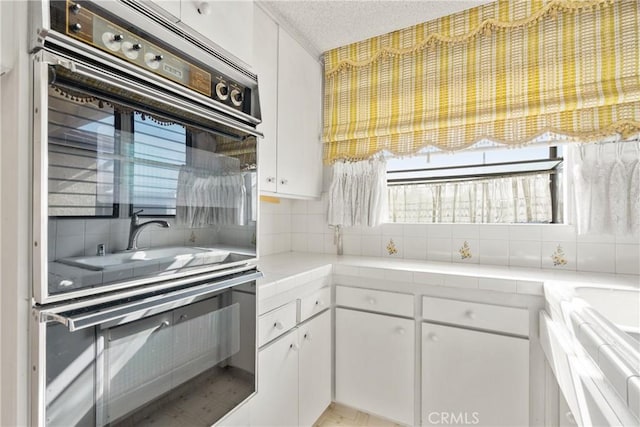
<point x="138" y="212"/>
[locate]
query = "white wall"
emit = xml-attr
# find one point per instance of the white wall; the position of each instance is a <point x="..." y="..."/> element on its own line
<point x="521" y="245"/>
<point x="274" y="235"/>
<point x="15" y="216"/>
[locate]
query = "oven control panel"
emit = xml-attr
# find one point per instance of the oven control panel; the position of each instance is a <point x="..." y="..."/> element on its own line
<point x="89" y="26"/>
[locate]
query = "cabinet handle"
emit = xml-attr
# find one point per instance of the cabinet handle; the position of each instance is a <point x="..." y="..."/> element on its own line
<point x="163" y="325"/>
<point x="400" y="330"/>
<point x="294" y="346"/>
<point x="319" y="303"/>
<point x="284" y="181"/>
<point x="307" y="336"/>
<point x="470" y="314"/>
<point x="371" y="301"/>
<point x="433" y="337"/>
<point x="271" y="179"/>
<point x="278" y="325"/>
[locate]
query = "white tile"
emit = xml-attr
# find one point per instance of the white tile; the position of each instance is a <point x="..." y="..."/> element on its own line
<point x="299" y="207"/>
<point x="283" y="223"/>
<point x="398" y="276"/>
<point x="392" y="229"/>
<point x="530" y="232"/>
<point x="525" y="253"/>
<point x="317" y="224"/>
<point x="283" y="243"/>
<point x="299" y="223"/>
<point x="371" y="245"/>
<point x="267" y="245"/>
<point x="330" y="246"/>
<point x="316" y="207"/>
<point x="596" y="238"/>
<point x="352" y="230"/>
<point x="465" y="231"/>
<point x="69" y="246"/>
<point x="559" y="233"/>
<point x="597" y="257"/>
<point x="553" y="254"/>
<point x="425" y="278"/>
<point x="457" y="247"/>
<point x="455" y="281"/>
<point x="530" y="287"/>
<point x="299" y="242"/>
<point x="316" y="243"/>
<point x="372" y="231"/>
<point x="499" y="285"/>
<point x="70" y="227"/>
<point x="628" y="239"/>
<point x="628" y="259"/>
<point x="392" y="246"/>
<point x="439" y="231"/>
<point x="438" y="249"/>
<point x="494" y="252"/>
<point x="119" y="226"/>
<point x="415" y="231"/>
<point x="494" y="231"/>
<point x="352" y="244"/>
<point x="415" y="247"/>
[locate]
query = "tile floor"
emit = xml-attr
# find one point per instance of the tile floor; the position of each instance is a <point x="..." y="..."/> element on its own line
<point x="343" y="416"/>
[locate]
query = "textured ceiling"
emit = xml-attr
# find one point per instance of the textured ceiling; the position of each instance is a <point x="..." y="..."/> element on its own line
<point x="324" y="24"/>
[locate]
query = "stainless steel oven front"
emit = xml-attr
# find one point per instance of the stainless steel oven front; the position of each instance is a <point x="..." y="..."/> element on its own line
<point x="184" y="357"/>
<point x="144" y="152"/>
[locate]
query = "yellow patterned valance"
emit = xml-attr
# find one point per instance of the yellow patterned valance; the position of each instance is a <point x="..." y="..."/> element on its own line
<point x="507" y="71"/>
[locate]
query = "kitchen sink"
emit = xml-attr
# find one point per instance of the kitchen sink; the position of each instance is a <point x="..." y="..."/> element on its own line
<point x="170" y="255"/>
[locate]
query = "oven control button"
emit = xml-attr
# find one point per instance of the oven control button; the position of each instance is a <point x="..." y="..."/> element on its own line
<point x="75" y="8"/>
<point x="222" y="91"/>
<point x="76" y="28"/>
<point x="152" y="60"/>
<point x="130" y="51"/>
<point x="110" y="41"/>
<point x="136" y="46"/>
<point x="118" y="37"/>
<point x="236" y="97"/>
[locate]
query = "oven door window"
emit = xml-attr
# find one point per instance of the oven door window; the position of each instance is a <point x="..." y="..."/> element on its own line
<point x="134" y="194"/>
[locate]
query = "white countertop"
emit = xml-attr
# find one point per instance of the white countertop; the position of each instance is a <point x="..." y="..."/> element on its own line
<point x="280" y="268"/>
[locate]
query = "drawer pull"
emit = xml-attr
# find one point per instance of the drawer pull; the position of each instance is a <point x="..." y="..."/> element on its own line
<point x="278" y="325"/>
<point x="307" y="336"/>
<point x="319" y="303"/>
<point x="433" y="337"/>
<point x="294" y="346"/>
<point x="470" y="314"/>
<point x="400" y="330"/>
<point x="371" y="301"/>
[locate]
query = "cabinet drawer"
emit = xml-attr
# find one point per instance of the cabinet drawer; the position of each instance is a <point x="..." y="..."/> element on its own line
<point x="275" y="323"/>
<point x="313" y="304"/>
<point x="381" y="301"/>
<point x="483" y="316"/>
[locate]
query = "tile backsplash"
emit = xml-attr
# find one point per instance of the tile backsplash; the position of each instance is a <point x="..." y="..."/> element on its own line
<point x="300" y="225"/>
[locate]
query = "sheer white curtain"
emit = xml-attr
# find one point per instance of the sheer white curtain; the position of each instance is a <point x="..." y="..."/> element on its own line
<point x="358" y="193"/>
<point x="606" y="187"/>
<point x="525" y="198"/>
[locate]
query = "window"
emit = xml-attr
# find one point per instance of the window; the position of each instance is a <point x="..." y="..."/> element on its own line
<point x="498" y="185"/>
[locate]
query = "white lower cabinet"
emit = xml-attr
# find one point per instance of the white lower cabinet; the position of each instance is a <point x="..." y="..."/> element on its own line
<point x="375" y="364"/>
<point x="474" y="377"/>
<point x="294" y="376"/>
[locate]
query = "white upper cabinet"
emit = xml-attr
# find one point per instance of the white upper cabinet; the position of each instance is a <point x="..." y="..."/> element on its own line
<point x="227" y="24"/>
<point x="290" y="82"/>
<point x="265" y="63"/>
<point x="299" y="120"/>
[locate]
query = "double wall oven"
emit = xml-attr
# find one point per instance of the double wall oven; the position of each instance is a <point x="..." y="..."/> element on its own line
<point x="144" y="219"/>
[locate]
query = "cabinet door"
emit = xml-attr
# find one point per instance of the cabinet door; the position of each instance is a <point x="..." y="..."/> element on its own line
<point x="315" y="368"/>
<point x="299" y="120"/>
<point x="474" y="377"/>
<point x="276" y="403"/>
<point x="228" y="24"/>
<point x="375" y="364"/>
<point x="265" y="61"/>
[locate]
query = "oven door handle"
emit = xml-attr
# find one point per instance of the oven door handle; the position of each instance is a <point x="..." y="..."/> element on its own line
<point x="130" y="311"/>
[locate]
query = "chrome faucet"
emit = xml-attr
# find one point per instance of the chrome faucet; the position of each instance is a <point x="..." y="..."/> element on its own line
<point x="135" y="228"/>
